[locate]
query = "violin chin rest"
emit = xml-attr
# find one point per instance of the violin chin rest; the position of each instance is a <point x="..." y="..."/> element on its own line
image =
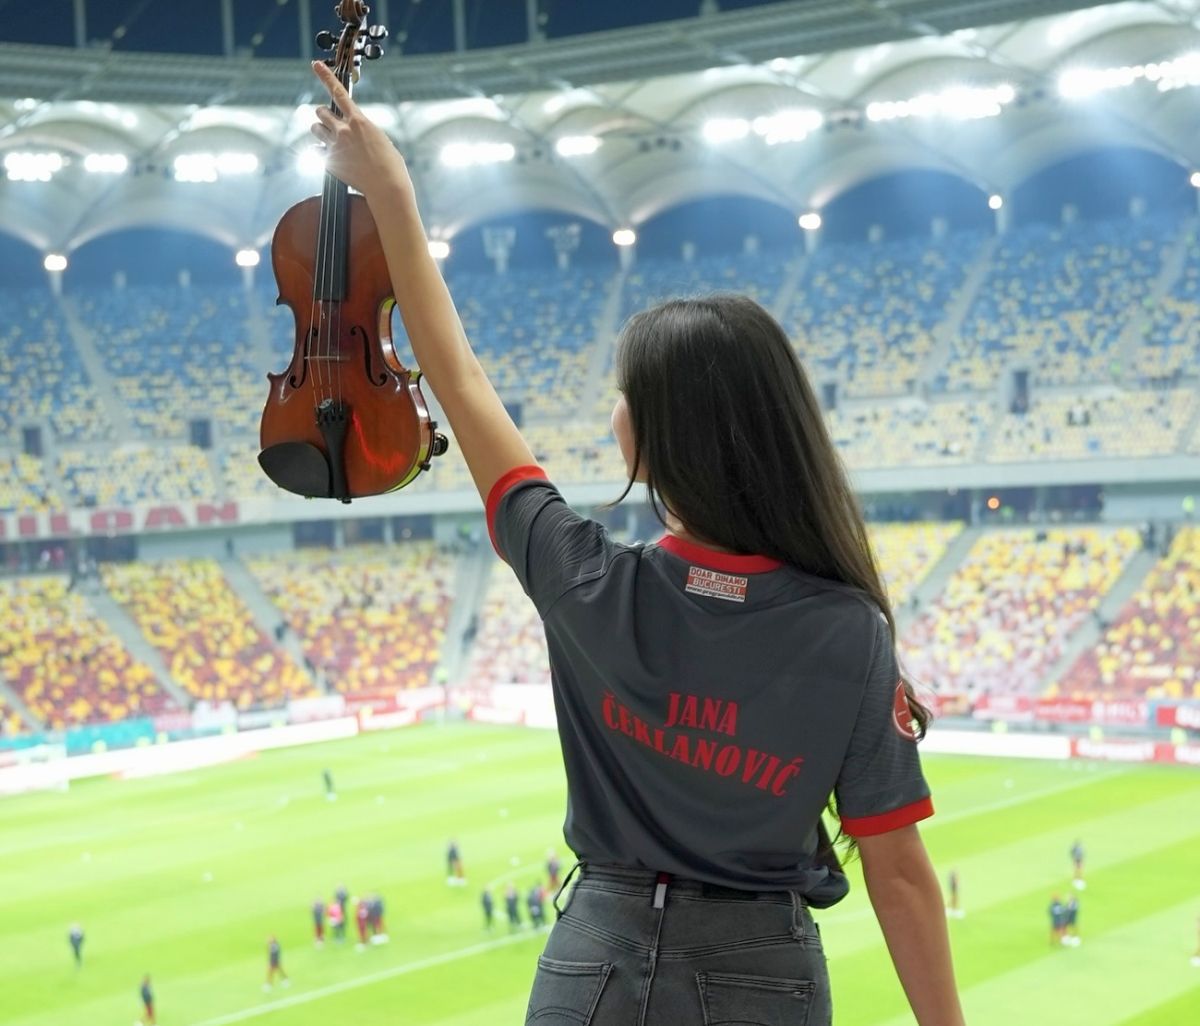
<point x="298" y="467"/>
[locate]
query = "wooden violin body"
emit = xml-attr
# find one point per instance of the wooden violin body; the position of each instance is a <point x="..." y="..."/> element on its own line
<point x="346" y="419"/>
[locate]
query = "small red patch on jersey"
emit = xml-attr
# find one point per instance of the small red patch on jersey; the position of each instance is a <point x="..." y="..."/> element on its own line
<point x="902" y="717"/>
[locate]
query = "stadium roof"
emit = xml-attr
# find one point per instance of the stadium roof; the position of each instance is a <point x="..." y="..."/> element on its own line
<point x="687" y="130"/>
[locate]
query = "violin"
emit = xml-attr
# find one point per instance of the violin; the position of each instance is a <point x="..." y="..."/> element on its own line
<point x="346" y="418"/>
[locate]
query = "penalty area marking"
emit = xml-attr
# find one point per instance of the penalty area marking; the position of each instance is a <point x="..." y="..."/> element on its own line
<point x="364" y="981"/>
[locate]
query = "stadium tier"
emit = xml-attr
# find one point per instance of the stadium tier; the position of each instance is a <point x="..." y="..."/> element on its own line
<point x="64" y="662"/>
<point x="371" y="619"/>
<point x="1152" y="650"/>
<point x="907" y="553"/>
<point x="1060" y="302"/>
<point x="41" y="380"/>
<point x="864" y="314"/>
<point x="209" y="640"/>
<point x="759" y="274"/>
<point x="1002" y="621"/>
<point x="178" y="353"/>
<point x="910" y="432"/>
<point x="1104" y="421"/>
<point x="510" y="646"/>
<point x="1171" y="346"/>
<point x="534" y="332"/>
<point x="23" y="485"/>
<point x="10" y="722"/>
<point x="134" y="473"/>
<point x="1055" y="302"/>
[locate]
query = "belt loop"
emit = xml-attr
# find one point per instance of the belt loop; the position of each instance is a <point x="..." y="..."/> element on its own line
<point x="799" y="930"/>
<point x="660" y="890"/>
<point x="566" y="880"/>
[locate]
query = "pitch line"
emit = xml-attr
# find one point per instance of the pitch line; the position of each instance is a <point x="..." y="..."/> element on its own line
<point x="363" y="981"/>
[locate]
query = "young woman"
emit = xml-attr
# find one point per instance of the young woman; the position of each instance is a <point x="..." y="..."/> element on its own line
<point x="713" y="690"/>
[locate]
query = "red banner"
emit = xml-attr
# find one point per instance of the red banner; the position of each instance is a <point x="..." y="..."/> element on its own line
<point x="107" y="522"/>
<point x="1013" y="708"/>
<point x="1081" y="710"/>
<point x="1174" y="715"/>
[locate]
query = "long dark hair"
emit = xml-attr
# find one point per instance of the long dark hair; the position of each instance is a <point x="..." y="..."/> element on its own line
<point x="733" y="444"/>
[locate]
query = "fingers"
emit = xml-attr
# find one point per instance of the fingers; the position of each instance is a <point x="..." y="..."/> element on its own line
<point x="337" y="91"/>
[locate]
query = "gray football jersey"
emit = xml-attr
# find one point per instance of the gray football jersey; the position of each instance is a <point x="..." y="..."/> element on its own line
<point x="709" y="704"/>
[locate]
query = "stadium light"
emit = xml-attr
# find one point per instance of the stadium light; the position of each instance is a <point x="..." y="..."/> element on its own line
<point x="207" y="167"/>
<point x="624" y="237"/>
<point x="995" y="201"/>
<point x="439" y="249"/>
<point x="22" y="166"/>
<point x="959" y="103"/>
<point x="236" y="163"/>
<point x="247" y="258"/>
<point x="794" y="125"/>
<point x="577" y="145"/>
<point x="106" y="163"/>
<point x="55" y="262"/>
<point x="1082" y="83"/>
<point x="310" y="161"/>
<point x="465" y="154"/>
<point x="718" y="131"/>
<point x="811" y="221"/>
<point x="1195" y="179"/>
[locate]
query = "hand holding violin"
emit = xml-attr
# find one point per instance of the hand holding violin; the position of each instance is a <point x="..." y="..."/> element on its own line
<point x="357" y="151"/>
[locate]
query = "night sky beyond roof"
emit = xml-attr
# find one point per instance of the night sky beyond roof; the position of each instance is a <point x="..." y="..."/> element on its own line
<point x="271" y="29"/>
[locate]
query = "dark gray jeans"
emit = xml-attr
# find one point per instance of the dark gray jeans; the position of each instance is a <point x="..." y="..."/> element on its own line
<point x="709" y="956"/>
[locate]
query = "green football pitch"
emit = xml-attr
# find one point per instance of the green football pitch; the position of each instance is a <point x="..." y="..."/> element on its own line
<point x="185" y="877"/>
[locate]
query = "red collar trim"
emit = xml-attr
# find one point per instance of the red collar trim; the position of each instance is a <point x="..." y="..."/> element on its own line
<point x="727" y="561"/>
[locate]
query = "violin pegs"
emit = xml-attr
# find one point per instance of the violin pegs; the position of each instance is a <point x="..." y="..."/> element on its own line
<point x="326" y="40"/>
<point x="377" y="32"/>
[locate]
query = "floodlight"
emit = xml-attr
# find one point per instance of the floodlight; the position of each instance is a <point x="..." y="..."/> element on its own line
<point x="959" y="103"/>
<point x="106" y="163"/>
<point x="32" y="167"/>
<point x="577" y="145"/>
<point x="995" y="201"/>
<point x="465" y="154"/>
<point x="195" y="167"/>
<point x="247" y="258"/>
<point x="811" y="221"/>
<point x="785" y="126"/>
<point x="624" y="237"/>
<point x="722" y="130"/>
<point x="236" y="163"/>
<point x="55" y="262"/>
<point x="439" y="249"/>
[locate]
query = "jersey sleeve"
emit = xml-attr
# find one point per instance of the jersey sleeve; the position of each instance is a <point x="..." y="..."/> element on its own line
<point x="881" y="786"/>
<point x="549" y="546"/>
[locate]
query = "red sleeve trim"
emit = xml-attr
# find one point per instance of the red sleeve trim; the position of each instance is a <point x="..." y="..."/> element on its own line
<point x="502" y="488"/>
<point x="906" y="815"/>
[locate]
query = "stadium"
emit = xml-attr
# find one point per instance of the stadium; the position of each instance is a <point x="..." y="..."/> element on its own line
<point x="978" y="223"/>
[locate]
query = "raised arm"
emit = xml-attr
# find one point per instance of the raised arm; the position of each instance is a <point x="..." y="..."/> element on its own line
<point x="908" y="904"/>
<point x="362" y="156"/>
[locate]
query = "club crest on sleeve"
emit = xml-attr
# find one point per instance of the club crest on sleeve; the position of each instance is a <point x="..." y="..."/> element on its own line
<point x="902" y="718"/>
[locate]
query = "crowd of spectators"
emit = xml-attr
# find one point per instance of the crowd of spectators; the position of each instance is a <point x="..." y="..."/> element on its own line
<point x="64" y="662"/>
<point x="370" y="618"/>
<point x="211" y="643"/>
<point x="1002" y="620"/>
<point x="1152" y="649"/>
